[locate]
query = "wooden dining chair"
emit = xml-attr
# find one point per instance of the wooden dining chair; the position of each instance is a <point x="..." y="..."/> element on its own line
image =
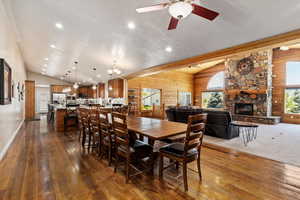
<point x="94" y="125"/>
<point x="106" y="136"/>
<point x="85" y="119"/>
<point x="189" y="150"/>
<point x="80" y="114"/>
<point x="133" y="151"/>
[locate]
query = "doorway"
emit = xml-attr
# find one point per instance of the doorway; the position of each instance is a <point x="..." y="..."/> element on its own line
<point x="42" y="98"/>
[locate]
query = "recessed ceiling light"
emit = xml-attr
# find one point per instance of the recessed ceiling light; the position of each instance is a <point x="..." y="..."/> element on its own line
<point x="52" y="46"/>
<point x="74" y="68"/>
<point x="45" y="65"/>
<point x="98" y="75"/>
<point x="59" y="25"/>
<point x="43" y="73"/>
<point x="131" y="25"/>
<point x="90" y="79"/>
<point x="46" y="59"/>
<point x="44" y="70"/>
<point x="169" y="49"/>
<point x="284" y="48"/>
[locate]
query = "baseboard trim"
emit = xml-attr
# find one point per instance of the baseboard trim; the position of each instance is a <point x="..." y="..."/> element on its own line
<point x="6" y="147"/>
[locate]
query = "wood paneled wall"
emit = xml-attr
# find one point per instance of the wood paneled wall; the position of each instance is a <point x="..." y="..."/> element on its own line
<point x="29" y="100"/>
<point x="201" y="80"/>
<point x="170" y="83"/>
<point x="280" y="58"/>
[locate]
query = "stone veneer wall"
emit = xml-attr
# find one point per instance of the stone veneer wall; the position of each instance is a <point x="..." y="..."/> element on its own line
<point x="253" y="86"/>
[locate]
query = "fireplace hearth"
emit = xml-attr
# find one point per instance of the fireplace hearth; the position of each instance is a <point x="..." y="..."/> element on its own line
<point x="243" y="108"/>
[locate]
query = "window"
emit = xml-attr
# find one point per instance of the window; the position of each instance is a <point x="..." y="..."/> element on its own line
<point x="292" y="90"/>
<point x="212" y="99"/>
<point x="216" y="82"/>
<point x="185" y="98"/>
<point x="150" y="97"/>
<point x="214" y="96"/>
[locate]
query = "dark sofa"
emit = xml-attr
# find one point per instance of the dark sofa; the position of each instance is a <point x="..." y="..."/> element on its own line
<point x="218" y="122"/>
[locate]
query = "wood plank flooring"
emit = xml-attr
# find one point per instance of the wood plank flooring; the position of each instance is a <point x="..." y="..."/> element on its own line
<point x="42" y="164"/>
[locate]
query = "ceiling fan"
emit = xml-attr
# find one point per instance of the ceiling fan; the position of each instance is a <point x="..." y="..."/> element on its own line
<point x="180" y="9"/>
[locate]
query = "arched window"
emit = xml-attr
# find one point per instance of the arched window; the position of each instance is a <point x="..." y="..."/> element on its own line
<point x="216" y="82"/>
<point x="213" y="98"/>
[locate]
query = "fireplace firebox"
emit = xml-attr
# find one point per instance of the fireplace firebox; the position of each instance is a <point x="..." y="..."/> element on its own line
<point x="243" y="108"/>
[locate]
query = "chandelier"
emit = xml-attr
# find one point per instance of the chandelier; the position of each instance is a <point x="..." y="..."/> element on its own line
<point x="114" y="69"/>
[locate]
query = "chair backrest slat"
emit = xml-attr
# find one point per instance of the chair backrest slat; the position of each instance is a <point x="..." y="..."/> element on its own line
<point x="94" y="120"/>
<point x="195" y="132"/>
<point x="104" y="123"/>
<point x="119" y="123"/>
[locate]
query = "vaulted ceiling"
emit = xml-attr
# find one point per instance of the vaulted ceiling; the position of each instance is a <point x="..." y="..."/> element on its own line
<point x="95" y="32"/>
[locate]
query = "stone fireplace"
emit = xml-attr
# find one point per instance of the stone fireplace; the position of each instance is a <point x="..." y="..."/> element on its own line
<point x="248" y="87"/>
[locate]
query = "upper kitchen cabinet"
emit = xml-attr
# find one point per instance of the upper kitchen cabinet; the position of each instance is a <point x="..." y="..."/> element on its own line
<point x="116" y="88"/>
<point x="101" y="90"/>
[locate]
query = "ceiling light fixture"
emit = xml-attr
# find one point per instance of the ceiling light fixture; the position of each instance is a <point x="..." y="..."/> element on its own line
<point x="131" y="25"/>
<point x="169" y="49"/>
<point x="94" y="87"/>
<point x="44" y="69"/>
<point x="52" y="46"/>
<point x="75" y="86"/>
<point x="114" y="69"/>
<point x="284" y="48"/>
<point x="59" y="25"/>
<point x="46" y="59"/>
<point x="180" y="9"/>
<point x="98" y="75"/>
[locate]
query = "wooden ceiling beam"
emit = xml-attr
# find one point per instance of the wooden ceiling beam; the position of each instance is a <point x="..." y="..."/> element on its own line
<point x="269" y="42"/>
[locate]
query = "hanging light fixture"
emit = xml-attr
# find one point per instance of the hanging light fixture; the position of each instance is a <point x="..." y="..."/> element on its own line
<point x="94" y="87"/>
<point x="76" y="85"/>
<point x="114" y="69"/>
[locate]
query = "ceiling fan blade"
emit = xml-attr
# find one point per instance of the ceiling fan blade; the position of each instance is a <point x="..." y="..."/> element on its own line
<point x="173" y="23"/>
<point x="204" y="12"/>
<point x="152" y="8"/>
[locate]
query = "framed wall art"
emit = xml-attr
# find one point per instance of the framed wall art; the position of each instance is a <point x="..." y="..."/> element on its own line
<point x="5" y="83"/>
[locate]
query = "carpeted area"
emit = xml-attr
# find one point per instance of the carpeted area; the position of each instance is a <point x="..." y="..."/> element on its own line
<point x="277" y="142"/>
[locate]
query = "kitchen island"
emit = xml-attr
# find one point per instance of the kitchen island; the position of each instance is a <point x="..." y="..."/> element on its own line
<point x="60" y="112"/>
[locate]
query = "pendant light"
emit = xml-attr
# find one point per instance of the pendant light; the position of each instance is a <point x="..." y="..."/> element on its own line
<point x="76" y="85"/>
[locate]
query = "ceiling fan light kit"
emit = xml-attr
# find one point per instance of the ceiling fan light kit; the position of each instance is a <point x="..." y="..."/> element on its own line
<point x="180" y="9"/>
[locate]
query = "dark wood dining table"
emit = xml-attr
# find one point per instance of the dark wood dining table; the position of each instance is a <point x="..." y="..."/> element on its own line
<point x="155" y="129"/>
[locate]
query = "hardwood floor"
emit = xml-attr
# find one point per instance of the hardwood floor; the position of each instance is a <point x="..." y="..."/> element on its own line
<point x="43" y="164"/>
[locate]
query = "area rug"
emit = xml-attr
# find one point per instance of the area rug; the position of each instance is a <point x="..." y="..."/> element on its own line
<point x="277" y="142"/>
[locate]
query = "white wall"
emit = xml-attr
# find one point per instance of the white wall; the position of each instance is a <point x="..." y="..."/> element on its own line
<point x="45" y="80"/>
<point x="11" y="116"/>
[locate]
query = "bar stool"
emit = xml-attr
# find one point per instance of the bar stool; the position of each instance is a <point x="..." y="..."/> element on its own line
<point x="50" y="114"/>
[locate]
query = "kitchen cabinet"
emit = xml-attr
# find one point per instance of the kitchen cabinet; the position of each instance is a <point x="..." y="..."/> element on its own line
<point x="116" y="88"/>
<point x="86" y="92"/>
<point x="101" y="90"/>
